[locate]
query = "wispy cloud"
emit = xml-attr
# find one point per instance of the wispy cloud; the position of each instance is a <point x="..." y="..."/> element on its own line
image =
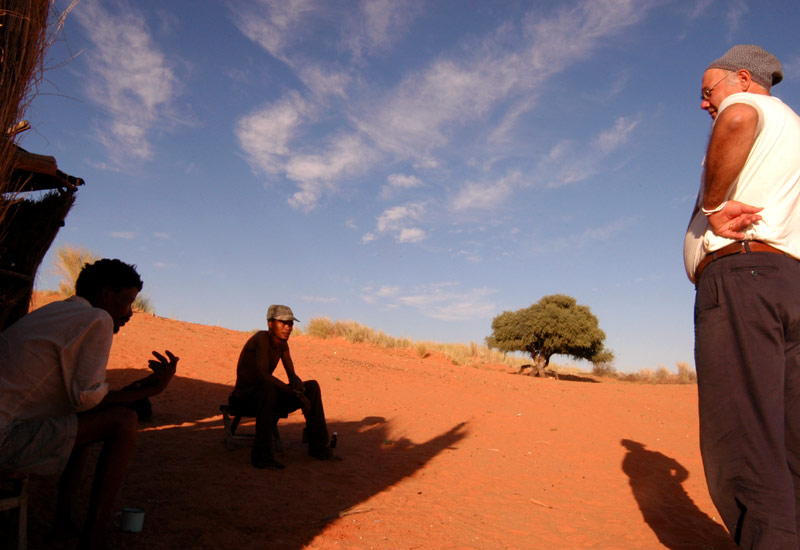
<point x="274" y="24"/>
<point x="319" y="299"/>
<point x="127" y="235"/>
<point x="372" y="294"/>
<point x="449" y="302"/>
<point x="735" y="12"/>
<point x="265" y="134"/>
<point x="567" y="163"/>
<point x="401" y="222"/>
<point x="129" y="78"/>
<point x="590" y="236"/>
<point x="379" y="24"/>
<point x="446" y="301"/>
<point x="482" y="91"/>
<point x="791" y="68"/>
<point x="399" y="182"/>
<point x="486" y="195"/>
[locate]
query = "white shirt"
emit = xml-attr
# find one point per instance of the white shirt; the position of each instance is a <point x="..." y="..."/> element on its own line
<point x="53" y="361"/>
<point x="770" y="179"/>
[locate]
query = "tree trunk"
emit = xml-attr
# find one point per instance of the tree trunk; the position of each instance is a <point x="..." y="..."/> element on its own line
<point x="539" y="365"/>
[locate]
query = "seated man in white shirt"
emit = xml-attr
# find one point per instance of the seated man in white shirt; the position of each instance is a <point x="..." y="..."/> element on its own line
<point x="54" y="400"/>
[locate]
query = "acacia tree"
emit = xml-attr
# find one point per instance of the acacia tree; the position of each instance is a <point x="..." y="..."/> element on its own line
<point x="556" y="324"/>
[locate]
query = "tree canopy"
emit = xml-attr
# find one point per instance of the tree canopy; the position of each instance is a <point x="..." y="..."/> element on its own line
<point x="556" y="324"/>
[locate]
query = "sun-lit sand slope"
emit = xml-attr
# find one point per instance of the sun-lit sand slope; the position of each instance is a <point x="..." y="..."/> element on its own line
<point x="436" y="456"/>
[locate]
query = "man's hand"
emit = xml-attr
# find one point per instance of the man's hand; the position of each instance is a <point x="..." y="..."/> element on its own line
<point x="163" y="367"/>
<point x="300" y="391"/>
<point x="731" y="221"/>
<point x="297" y="384"/>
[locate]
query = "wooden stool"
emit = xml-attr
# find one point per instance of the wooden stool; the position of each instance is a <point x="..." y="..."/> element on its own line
<point x="18" y="498"/>
<point x="232" y="439"/>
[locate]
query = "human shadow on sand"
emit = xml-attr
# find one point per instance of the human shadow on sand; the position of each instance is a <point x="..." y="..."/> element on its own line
<point x="657" y="484"/>
<point x="183" y="475"/>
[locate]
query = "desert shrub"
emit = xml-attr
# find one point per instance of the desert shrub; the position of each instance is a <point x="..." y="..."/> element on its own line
<point x="320" y="327"/>
<point x="644" y="375"/>
<point x="422" y="350"/>
<point x="685" y="374"/>
<point x="605" y="370"/>
<point x="68" y="265"/>
<point x="662" y="375"/>
<point x="142" y="304"/>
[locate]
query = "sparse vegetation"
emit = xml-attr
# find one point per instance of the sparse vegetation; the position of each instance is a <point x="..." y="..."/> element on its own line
<point x="661" y="375"/>
<point x="474" y="354"/>
<point x="68" y="264"/>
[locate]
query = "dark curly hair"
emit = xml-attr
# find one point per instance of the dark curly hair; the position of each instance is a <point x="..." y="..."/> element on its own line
<point x="114" y="273"/>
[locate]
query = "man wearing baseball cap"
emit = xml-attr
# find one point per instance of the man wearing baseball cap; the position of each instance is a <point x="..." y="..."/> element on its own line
<point x="741" y="251"/>
<point x="259" y="393"/>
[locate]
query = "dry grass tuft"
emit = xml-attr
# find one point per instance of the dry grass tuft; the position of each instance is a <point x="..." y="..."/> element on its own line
<point x="68" y="265"/>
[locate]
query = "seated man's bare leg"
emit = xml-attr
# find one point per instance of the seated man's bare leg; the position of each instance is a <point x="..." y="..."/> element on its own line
<point x="116" y="428"/>
<point x="315" y="423"/>
<point x="264" y="401"/>
<point x="68" y="486"/>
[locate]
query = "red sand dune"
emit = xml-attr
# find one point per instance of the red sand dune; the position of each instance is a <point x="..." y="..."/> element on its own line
<point x="435" y="456"/>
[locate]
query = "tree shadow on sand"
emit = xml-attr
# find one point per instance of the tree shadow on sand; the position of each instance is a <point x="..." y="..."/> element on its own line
<point x="656" y="481"/>
<point x="184" y="477"/>
<point x="528" y="370"/>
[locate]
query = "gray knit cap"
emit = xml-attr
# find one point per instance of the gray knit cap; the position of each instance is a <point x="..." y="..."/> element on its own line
<point x="762" y="65"/>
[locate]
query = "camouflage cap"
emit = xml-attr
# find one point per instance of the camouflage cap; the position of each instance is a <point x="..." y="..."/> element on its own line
<point x="281" y="313"/>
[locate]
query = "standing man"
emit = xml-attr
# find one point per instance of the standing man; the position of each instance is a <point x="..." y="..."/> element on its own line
<point x="741" y="251"/>
<point x="259" y="393"/>
<point x="54" y="400"/>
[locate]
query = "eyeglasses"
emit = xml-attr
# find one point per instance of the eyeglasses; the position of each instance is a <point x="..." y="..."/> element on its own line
<point x="706" y="92"/>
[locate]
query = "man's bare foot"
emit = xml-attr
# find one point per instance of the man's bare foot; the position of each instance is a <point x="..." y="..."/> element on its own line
<point x="62" y="531"/>
<point x="325" y="454"/>
<point x="263" y="460"/>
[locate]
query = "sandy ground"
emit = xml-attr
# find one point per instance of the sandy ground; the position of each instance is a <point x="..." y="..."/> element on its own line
<point x="435" y="456"/>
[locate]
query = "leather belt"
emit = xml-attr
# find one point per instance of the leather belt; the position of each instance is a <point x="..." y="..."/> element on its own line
<point x="739" y="247"/>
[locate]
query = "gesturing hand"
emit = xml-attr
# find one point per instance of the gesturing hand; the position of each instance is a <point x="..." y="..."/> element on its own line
<point x="731" y="221"/>
<point x="163" y="367"/>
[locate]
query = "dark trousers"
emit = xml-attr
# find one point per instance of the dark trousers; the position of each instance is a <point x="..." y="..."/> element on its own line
<point x="268" y="404"/>
<point x="747" y="352"/>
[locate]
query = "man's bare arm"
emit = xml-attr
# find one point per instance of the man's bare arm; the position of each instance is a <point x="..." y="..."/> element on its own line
<point x="295" y="383"/>
<point x="731" y="141"/>
<point x="163" y="370"/>
<point x="266" y="370"/>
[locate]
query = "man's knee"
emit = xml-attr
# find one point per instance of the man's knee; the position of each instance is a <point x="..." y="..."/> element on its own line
<point x="312" y="387"/>
<point x="118" y="423"/>
<point x="125" y="422"/>
<point x="265" y="393"/>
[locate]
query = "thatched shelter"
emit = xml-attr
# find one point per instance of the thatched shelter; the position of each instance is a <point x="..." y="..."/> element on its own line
<point x="28" y="228"/>
<point x="27" y="225"/>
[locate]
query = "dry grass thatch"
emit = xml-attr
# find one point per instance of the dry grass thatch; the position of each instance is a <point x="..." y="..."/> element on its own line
<point x="23" y="43"/>
<point x="27" y="228"/>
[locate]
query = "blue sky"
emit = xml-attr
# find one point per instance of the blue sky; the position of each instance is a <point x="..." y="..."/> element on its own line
<point x="416" y="166"/>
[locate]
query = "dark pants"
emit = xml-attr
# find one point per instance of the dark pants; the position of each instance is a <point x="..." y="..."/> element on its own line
<point x="268" y="404"/>
<point x="747" y="352"/>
